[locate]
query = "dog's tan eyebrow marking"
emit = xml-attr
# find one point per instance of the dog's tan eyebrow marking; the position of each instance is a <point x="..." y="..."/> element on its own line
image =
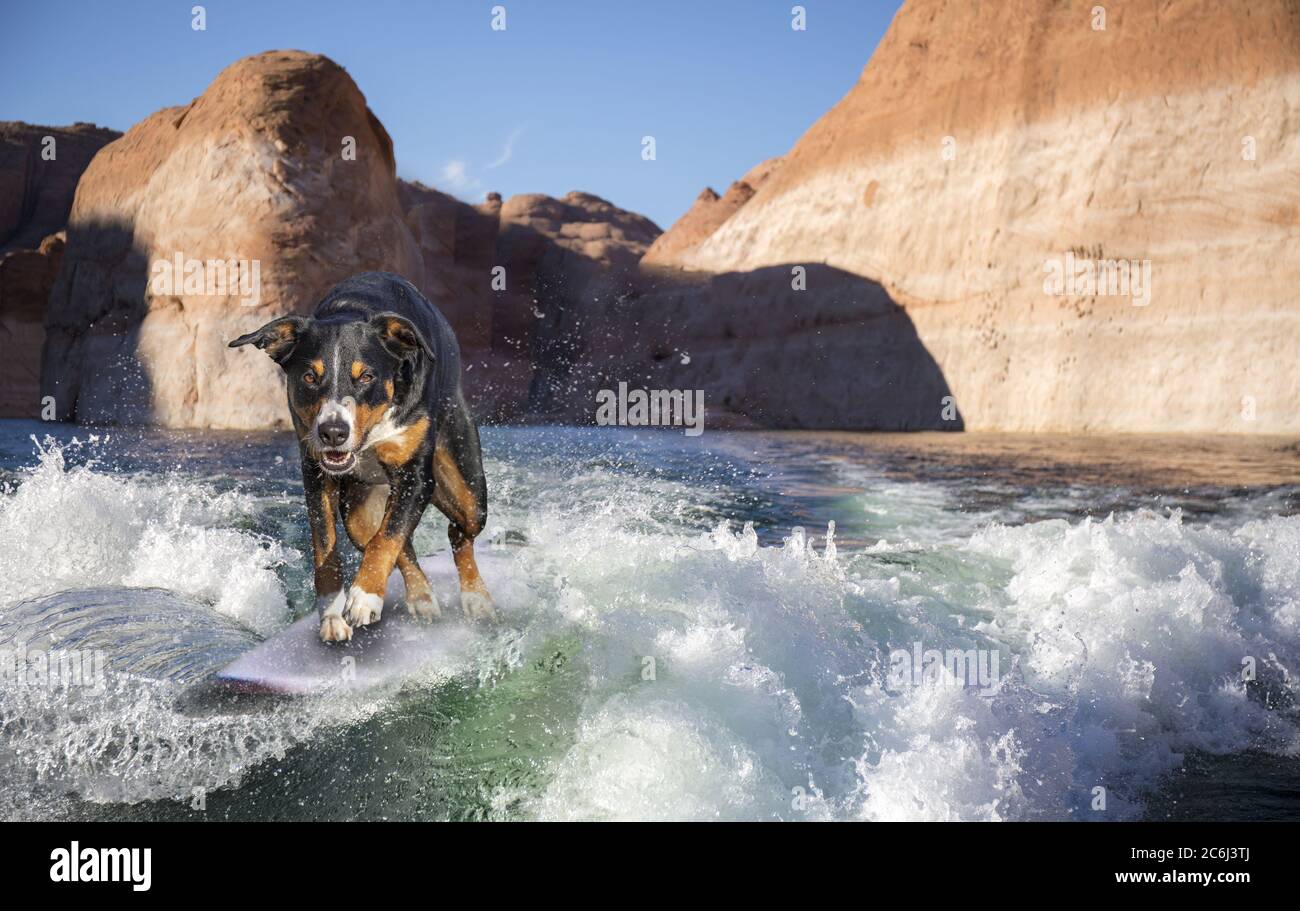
<point x="358" y="368"/>
<point x="319" y="366"/>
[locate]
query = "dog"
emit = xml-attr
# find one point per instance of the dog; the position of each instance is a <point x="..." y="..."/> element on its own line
<point x="374" y="389"/>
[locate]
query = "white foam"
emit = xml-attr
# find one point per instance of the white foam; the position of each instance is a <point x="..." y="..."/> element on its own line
<point x="79" y="527"/>
<point x="1121" y="645"/>
<point x="638" y="757"/>
<point x="1130" y="635"/>
<point x="767" y="695"/>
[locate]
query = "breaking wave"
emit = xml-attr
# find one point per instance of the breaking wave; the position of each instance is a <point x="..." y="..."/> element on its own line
<point x="661" y="659"/>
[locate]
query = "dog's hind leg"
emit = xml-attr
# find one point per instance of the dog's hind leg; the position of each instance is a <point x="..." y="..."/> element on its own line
<point x="421" y="602"/>
<point x="474" y="598"/>
<point x="460" y="492"/>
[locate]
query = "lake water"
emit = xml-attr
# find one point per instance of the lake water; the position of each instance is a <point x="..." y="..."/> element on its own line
<point x="693" y="628"/>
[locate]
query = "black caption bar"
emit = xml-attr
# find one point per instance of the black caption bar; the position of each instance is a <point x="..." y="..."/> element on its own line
<point x="330" y="860"/>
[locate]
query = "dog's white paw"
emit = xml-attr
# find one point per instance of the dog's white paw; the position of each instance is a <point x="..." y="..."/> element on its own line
<point x="362" y="608"/>
<point x="334" y="628"/>
<point x="425" y="610"/>
<point x="478" y="606"/>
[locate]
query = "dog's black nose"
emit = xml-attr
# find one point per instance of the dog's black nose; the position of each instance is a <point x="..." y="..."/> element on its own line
<point x="334" y="433"/>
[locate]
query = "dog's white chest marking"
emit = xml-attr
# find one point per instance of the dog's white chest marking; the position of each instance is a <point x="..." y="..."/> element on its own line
<point x="387" y="429"/>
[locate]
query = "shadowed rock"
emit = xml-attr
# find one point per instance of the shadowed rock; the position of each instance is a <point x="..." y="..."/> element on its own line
<point x="37" y="186"/>
<point x="39" y="170"/>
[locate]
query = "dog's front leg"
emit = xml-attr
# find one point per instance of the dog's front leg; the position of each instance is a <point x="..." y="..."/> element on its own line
<point x="322" y="498"/>
<point x="409" y="489"/>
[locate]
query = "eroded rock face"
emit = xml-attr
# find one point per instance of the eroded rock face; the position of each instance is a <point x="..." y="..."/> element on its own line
<point x="457" y="244"/>
<point x="280" y="173"/>
<point x="707" y="215"/>
<point x="584" y="224"/>
<point x="763" y="353"/>
<point x="39" y="170"/>
<point x="986" y="146"/>
<point x="26" y="277"/>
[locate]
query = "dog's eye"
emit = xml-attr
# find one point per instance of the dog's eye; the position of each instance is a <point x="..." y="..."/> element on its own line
<point x="366" y="379"/>
<point x="309" y="378"/>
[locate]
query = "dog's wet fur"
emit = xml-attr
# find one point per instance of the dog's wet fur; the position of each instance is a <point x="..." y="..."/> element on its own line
<point x="374" y="391"/>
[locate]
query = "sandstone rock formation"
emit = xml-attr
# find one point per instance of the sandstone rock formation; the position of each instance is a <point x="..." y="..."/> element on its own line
<point x="252" y="177"/>
<point x="511" y="275"/>
<point x="581" y="223"/>
<point x="707" y="215"/>
<point x="517" y="279"/>
<point x="560" y="257"/>
<point x="457" y="245"/>
<point x="252" y="182"/>
<point x="986" y="146"/>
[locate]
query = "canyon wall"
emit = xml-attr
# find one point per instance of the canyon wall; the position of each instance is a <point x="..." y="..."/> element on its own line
<point x="1023" y="216"/>
<point x="987" y="147"/>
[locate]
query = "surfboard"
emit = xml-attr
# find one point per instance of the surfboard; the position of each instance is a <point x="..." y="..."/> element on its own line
<point x="294" y="662"/>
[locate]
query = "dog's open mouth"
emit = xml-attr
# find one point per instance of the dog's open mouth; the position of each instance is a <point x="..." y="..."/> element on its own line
<point x="337" y="461"/>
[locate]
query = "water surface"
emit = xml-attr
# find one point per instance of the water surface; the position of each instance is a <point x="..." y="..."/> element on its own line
<point x="695" y="628"/>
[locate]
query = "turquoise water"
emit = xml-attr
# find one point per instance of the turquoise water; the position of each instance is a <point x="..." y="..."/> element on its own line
<point x="694" y="628"/>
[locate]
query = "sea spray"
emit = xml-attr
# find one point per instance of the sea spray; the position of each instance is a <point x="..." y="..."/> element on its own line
<point x="67" y="526"/>
<point x="768" y="694"/>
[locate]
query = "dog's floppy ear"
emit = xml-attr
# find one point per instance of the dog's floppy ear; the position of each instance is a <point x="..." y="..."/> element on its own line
<point x="277" y="338"/>
<point x="399" y="335"/>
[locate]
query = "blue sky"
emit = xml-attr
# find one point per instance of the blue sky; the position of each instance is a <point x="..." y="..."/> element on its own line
<point x="558" y="101"/>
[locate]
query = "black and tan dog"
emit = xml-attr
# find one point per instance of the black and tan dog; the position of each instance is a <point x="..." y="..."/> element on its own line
<point x="374" y="389"/>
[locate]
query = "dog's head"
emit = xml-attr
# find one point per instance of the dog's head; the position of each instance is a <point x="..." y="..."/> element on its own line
<point x="348" y="379"/>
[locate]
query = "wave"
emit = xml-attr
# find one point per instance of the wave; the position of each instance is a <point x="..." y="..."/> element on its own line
<point x="705" y="674"/>
<point x="80" y="526"/>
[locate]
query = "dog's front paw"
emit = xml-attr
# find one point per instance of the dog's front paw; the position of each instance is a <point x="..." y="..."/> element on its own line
<point x="424" y="609"/>
<point x="362" y="608"/>
<point x="478" y="606"/>
<point x="334" y="628"/>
